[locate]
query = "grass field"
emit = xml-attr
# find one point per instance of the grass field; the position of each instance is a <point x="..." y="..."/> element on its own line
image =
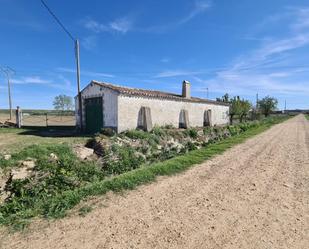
<point x="14" y="140"/>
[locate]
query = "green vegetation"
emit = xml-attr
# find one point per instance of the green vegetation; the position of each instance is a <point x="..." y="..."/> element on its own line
<point x="239" y="107"/>
<point x="267" y="105"/>
<point x="137" y="134"/>
<point x="191" y="132"/>
<point x="58" y="185"/>
<point x="108" y="132"/>
<point x="63" y="103"/>
<point x="14" y="140"/>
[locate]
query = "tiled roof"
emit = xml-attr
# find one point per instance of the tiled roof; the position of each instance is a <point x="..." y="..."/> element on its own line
<point x="154" y="94"/>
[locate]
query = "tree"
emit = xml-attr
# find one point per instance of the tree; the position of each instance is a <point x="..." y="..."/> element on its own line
<point x="240" y="107"/>
<point x="234" y="108"/>
<point x="225" y="98"/>
<point x="267" y="105"/>
<point x="63" y="103"/>
<point x="245" y="107"/>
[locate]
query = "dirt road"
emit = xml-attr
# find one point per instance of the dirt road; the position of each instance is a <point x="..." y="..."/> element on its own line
<point x="256" y="195"/>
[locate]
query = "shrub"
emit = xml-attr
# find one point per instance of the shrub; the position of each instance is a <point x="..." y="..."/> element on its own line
<point x="191" y="146"/>
<point x="207" y="130"/>
<point x="108" y="132"/>
<point x="192" y="132"/>
<point x="127" y="159"/>
<point x="158" y="131"/>
<point x="137" y="134"/>
<point x="168" y="126"/>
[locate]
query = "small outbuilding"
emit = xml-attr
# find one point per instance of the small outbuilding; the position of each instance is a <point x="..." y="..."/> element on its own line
<point x="105" y="105"/>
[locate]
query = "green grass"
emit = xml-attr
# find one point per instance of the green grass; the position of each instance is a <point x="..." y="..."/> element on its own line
<point x="56" y="206"/>
<point x="14" y="140"/>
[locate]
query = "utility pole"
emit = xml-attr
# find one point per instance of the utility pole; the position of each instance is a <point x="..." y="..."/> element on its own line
<point x="8" y="72"/>
<point x="285" y="106"/>
<point x="257" y="101"/>
<point x="76" y="45"/>
<point x="207" y="92"/>
<point x="80" y="106"/>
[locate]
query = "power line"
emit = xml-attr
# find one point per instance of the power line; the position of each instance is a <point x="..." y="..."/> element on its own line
<point x="58" y="21"/>
<point x="76" y="42"/>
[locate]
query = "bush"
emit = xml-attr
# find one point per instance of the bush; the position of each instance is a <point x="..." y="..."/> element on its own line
<point x="158" y="131"/>
<point x="234" y="130"/>
<point x="49" y="178"/>
<point x="191" y="146"/>
<point x="137" y="134"/>
<point x="168" y="126"/>
<point x="192" y="132"/>
<point x="108" y="132"/>
<point x="207" y="130"/>
<point x="127" y="159"/>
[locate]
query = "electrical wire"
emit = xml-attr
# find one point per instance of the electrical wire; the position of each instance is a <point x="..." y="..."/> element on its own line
<point x="58" y="21"/>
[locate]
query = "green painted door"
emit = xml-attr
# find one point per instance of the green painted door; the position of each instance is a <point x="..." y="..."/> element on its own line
<point x="94" y="114"/>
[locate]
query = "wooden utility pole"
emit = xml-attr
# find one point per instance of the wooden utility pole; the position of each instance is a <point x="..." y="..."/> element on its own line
<point x="80" y="106"/>
<point x="7" y="71"/>
<point x="257" y="101"/>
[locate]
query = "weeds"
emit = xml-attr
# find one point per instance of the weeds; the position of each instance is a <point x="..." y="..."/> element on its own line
<point x="60" y="185"/>
<point x="192" y="132"/>
<point x="84" y="210"/>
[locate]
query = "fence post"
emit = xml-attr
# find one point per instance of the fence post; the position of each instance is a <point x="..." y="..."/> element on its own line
<point x="46" y="119"/>
<point x="19" y="119"/>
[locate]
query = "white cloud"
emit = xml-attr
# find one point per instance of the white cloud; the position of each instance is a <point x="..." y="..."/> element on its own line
<point x="175" y="73"/>
<point x="302" y="19"/>
<point x="57" y="81"/>
<point x="199" y="7"/>
<point x="94" y="26"/>
<point x="125" y="24"/>
<point x="269" y="69"/>
<point x="120" y="25"/>
<point x="89" y="42"/>
<point x="30" y="80"/>
<point x="86" y="73"/>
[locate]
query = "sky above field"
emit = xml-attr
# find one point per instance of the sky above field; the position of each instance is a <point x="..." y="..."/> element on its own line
<point x="238" y="47"/>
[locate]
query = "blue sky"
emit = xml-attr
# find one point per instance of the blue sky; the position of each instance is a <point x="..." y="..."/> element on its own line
<point x="240" y="47"/>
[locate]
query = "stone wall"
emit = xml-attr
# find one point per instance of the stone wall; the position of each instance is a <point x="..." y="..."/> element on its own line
<point x="167" y="112"/>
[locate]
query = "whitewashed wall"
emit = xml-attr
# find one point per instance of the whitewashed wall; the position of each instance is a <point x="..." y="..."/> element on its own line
<point x="110" y="102"/>
<point x="167" y="112"/>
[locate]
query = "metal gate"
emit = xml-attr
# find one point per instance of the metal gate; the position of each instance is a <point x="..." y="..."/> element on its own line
<point x="94" y="114"/>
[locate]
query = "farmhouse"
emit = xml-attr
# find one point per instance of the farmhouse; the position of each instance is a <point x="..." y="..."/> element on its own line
<point x="123" y="108"/>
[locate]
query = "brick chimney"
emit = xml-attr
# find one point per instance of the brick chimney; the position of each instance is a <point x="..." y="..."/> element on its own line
<point x="186" y="93"/>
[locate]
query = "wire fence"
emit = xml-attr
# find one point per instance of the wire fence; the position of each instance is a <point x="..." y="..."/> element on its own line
<point x="46" y="120"/>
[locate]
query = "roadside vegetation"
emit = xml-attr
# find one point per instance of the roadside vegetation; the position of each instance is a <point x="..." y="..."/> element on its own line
<point x="58" y="180"/>
<point x="242" y="110"/>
